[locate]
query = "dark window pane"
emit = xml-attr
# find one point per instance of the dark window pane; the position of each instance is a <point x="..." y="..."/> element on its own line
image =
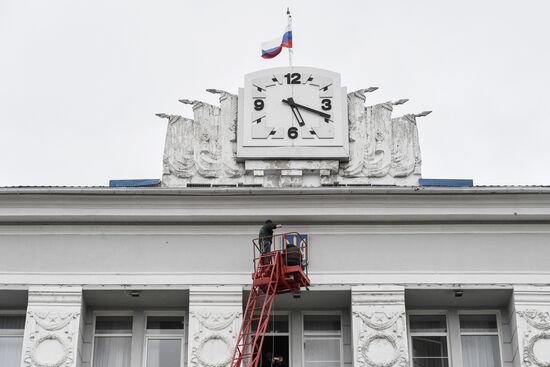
<point x="478" y="323"/>
<point x="319" y="323"/>
<point x="428" y="323"/>
<point x="113" y="325"/>
<point x="165" y="322"/>
<point x="429" y="346"/>
<point x="15" y="322"/>
<point x="276" y="324"/>
<point x="430" y="362"/>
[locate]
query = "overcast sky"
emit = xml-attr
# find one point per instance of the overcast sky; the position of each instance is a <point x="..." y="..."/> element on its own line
<point x="80" y="81"/>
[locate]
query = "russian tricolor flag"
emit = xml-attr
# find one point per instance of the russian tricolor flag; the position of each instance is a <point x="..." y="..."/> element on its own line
<point x="272" y="48"/>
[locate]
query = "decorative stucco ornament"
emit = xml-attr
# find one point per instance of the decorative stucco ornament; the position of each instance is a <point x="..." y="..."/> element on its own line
<point x="406" y="159"/>
<point x="179" y="159"/>
<point x="536" y="337"/>
<point x="357" y="133"/>
<point x="228" y="133"/>
<point x="320" y="136"/>
<point x="213" y="339"/>
<point x="381" y="342"/>
<point x="50" y="339"/>
<point x="377" y="158"/>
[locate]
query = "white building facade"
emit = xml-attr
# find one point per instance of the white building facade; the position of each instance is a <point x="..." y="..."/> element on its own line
<point x="402" y="274"/>
<point x="148" y="277"/>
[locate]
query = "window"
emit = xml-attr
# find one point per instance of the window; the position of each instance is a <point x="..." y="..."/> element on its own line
<point x="429" y="340"/>
<point x="456" y="338"/>
<point x="112" y="341"/>
<point x="11" y="339"/>
<point x="480" y="341"/>
<point x="276" y="347"/>
<point x="164" y="341"/>
<point x="322" y="340"/>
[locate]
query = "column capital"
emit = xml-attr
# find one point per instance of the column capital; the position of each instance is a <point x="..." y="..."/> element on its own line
<point x="55" y="296"/>
<point x="378" y="295"/>
<point x="215" y="296"/>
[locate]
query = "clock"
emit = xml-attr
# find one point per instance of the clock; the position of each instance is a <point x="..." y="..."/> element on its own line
<point x="292" y="113"/>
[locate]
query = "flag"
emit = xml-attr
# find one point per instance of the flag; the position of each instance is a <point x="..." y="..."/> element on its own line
<point x="272" y="48"/>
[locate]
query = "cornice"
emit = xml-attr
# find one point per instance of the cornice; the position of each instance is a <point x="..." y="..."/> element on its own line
<point x="288" y="205"/>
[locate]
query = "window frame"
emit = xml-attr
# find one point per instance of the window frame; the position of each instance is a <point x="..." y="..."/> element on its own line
<point x="182" y="336"/>
<point x="328" y="335"/>
<point x="95" y="314"/>
<point x="14" y="313"/>
<point x="454" y="334"/>
<point x="447" y="334"/>
<point x="498" y="333"/>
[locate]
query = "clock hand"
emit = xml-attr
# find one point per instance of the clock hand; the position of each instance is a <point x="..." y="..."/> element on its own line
<point x="291" y="103"/>
<point x="298" y="115"/>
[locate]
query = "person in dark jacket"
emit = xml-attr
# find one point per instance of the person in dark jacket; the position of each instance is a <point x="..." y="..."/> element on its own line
<point x="266" y="235"/>
<point x="293" y="255"/>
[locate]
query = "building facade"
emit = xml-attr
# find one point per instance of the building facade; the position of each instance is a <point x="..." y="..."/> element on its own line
<point x="402" y="274"/>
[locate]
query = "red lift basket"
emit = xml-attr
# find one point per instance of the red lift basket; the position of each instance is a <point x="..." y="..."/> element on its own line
<point x="274" y="273"/>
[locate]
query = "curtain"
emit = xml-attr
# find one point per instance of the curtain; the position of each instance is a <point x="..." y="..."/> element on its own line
<point x="10" y="351"/>
<point x="480" y="351"/>
<point x="164" y="353"/>
<point x="112" y="351"/>
<point x="323" y="352"/>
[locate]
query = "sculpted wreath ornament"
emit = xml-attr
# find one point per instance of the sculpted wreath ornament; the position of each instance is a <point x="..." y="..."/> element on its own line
<point x="60" y="360"/>
<point x="365" y="350"/>
<point x="220" y="363"/>
<point x="529" y="352"/>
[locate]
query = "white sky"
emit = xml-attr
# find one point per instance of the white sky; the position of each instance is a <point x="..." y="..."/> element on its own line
<point x="80" y="81"/>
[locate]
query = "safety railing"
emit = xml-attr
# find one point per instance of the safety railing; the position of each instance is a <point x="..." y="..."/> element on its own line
<point x="283" y="243"/>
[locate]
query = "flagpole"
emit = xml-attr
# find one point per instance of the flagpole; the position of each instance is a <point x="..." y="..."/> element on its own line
<point x="290" y="27"/>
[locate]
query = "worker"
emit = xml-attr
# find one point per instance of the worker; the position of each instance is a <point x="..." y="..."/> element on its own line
<point x="266" y="235"/>
<point x="293" y="255"/>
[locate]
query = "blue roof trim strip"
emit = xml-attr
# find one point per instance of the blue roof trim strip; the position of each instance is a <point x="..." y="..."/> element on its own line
<point x="134" y="183"/>
<point x="446" y="182"/>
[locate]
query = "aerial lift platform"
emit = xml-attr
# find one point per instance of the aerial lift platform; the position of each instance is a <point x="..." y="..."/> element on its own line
<point x="275" y="272"/>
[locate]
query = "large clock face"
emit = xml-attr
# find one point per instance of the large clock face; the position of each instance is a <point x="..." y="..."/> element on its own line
<point x="295" y="113"/>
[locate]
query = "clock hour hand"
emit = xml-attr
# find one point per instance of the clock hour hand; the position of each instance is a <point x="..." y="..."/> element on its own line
<point x="290" y="102"/>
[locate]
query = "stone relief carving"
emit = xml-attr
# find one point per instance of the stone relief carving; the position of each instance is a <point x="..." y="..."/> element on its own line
<point x="228" y="133"/>
<point x="50" y="339"/>
<point x="179" y="159"/>
<point x="406" y="159"/>
<point x="536" y="338"/>
<point x="202" y="150"/>
<point x="381" y="339"/>
<point x="216" y="332"/>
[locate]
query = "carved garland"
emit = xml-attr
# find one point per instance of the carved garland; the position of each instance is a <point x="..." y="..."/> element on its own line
<point x="529" y="350"/>
<point x="51" y="321"/>
<point x="220" y="363"/>
<point x="538" y="320"/>
<point x="218" y="322"/>
<point x="379" y="321"/>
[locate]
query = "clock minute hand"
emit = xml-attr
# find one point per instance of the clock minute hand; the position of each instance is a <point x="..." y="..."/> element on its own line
<point x="291" y="102"/>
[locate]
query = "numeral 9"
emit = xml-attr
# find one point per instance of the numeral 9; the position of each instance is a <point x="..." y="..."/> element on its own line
<point x="258" y="105"/>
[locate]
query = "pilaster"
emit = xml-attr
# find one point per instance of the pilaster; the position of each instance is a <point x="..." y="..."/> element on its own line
<point x="52" y="327"/>
<point x="379" y="327"/>
<point x="532" y="318"/>
<point x="215" y="315"/>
